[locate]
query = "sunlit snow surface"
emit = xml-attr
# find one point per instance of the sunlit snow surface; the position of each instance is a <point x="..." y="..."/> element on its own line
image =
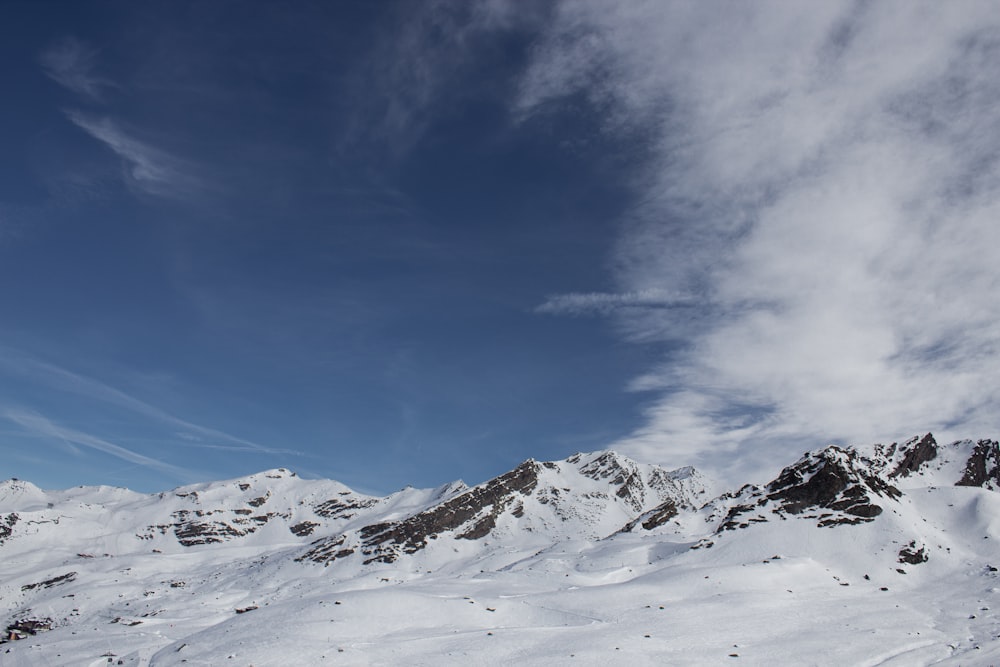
<point x="783" y="591"/>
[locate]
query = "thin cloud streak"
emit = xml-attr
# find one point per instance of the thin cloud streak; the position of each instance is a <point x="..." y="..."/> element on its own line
<point x="414" y="65"/>
<point x="70" y="63"/>
<point x="827" y="177"/>
<point x="38" y="424"/>
<point x="147" y="168"/>
<point x="605" y="303"/>
<point x="21" y="364"/>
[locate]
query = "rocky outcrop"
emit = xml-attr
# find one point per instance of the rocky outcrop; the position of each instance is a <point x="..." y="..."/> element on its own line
<point x="834" y="486"/>
<point x="303" y="529"/>
<point x="190" y="533"/>
<point x="7" y="526"/>
<point x="913" y="554"/>
<point x="469" y="515"/>
<point x="983" y="466"/>
<point x="345" y="507"/>
<point x="191" y="529"/>
<point x="915" y="454"/>
<point x="654" y="518"/>
<point x="586" y="496"/>
<point x="623" y="475"/>
<point x="49" y="583"/>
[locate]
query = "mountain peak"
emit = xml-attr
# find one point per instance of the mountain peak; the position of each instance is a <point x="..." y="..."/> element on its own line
<point x="834" y="485"/>
<point x="982" y="468"/>
<point x="592" y="521"/>
<point x="586" y="495"/>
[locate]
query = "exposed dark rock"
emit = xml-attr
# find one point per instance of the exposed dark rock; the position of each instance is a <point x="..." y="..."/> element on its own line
<point x="912" y="554"/>
<point x="481" y="505"/>
<point x="605" y="466"/>
<point x="384" y="541"/>
<point x="630" y="485"/>
<point x="304" y="528"/>
<point x="343" y="508"/>
<point x="49" y="583"/>
<point x="655" y="517"/>
<point x="191" y="533"/>
<point x="831" y="481"/>
<point x="7" y="526"/>
<point x="257" y="502"/>
<point x="124" y="621"/>
<point x="916" y="455"/>
<point x="660" y="515"/>
<point x="327" y="550"/>
<point x="983" y="467"/>
<point x="834" y="479"/>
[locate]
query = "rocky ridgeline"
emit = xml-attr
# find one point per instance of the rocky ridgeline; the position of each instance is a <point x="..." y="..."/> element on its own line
<point x="844" y="486"/>
<point x="522" y="516"/>
<point x="586" y="496"/>
<point x="833" y="486"/>
<point x="577" y="495"/>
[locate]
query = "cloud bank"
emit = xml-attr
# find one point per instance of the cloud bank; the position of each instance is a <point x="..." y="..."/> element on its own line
<point x="824" y="178"/>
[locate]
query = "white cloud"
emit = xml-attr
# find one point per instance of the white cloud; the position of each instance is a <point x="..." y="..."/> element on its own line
<point x="36" y="423"/>
<point x="70" y="63"/>
<point x="604" y="303"/>
<point x="423" y="62"/>
<point x="145" y="167"/>
<point x="12" y="361"/>
<point x="826" y="178"/>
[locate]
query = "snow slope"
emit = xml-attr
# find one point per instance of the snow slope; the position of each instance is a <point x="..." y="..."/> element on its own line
<point x="857" y="556"/>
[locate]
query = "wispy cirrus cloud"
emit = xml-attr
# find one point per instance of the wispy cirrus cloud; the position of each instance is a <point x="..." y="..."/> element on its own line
<point x="421" y="64"/>
<point x="145" y="167"/>
<point x="71" y="64"/>
<point x="38" y="424"/>
<point x="197" y="435"/>
<point x="606" y="303"/>
<point x="826" y="178"/>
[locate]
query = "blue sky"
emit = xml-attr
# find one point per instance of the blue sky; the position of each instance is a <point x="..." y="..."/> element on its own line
<point x="406" y="242"/>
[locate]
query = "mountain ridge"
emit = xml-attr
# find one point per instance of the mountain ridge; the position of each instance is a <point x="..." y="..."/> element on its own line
<point x="899" y="519"/>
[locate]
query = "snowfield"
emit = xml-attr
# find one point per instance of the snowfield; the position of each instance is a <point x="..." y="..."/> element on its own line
<point x="548" y="566"/>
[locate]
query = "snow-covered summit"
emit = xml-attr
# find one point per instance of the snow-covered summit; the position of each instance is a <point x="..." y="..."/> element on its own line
<point x="922" y="461"/>
<point x="586" y="496"/>
<point x="596" y="557"/>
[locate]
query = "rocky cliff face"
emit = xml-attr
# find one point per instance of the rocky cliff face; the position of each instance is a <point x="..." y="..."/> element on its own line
<point x="961" y="463"/>
<point x="914" y="511"/>
<point x="834" y="486"/>
<point x="846" y="485"/>
<point x="586" y="496"/>
<point x="470" y="515"/>
<point x="982" y="468"/>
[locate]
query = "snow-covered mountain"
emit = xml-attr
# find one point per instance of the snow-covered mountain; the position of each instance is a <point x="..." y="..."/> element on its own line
<point x="584" y="497"/>
<point x="865" y="555"/>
